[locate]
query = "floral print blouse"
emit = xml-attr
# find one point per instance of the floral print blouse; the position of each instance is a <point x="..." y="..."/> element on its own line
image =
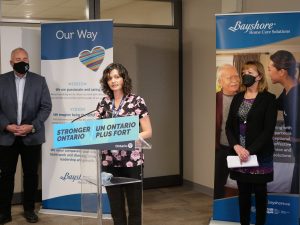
<point x="130" y="105"/>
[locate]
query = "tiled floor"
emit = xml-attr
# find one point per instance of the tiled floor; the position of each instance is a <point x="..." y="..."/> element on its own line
<point x="164" y="206"/>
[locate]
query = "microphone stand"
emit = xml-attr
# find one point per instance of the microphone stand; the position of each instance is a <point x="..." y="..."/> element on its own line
<point x="86" y="113"/>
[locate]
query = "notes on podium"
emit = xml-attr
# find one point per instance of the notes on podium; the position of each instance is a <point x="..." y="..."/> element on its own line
<point x="233" y="161"/>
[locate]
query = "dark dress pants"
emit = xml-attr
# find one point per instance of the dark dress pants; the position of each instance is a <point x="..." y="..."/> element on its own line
<point x="120" y="193"/>
<point x="221" y="171"/>
<point x="30" y="157"/>
<point x="245" y="191"/>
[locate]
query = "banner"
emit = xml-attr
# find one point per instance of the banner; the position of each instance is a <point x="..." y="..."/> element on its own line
<point x="74" y="55"/>
<point x="244" y="37"/>
<point x="111" y="133"/>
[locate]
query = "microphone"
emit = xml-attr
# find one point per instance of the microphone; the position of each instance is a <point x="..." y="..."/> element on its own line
<point x="98" y="105"/>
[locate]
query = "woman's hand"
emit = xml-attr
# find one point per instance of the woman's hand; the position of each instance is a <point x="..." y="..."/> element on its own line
<point x="242" y="153"/>
<point x="146" y="129"/>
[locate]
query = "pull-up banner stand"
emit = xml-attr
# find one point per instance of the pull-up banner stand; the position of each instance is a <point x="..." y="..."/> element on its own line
<point x="74" y="55"/>
<point x="256" y="36"/>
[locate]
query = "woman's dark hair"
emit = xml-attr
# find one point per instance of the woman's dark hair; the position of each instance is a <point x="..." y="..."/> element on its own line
<point x="127" y="87"/>
<point x="285" y="60"/>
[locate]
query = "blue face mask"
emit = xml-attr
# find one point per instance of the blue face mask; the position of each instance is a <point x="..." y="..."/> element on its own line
<point x="21" y="67"/>
<point x="248" y="80"/>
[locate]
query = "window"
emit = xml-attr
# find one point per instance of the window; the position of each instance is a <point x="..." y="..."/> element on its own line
<point x="143" y="12"/>
<point x="44" y="9"/>
<point x="134" y="12"/>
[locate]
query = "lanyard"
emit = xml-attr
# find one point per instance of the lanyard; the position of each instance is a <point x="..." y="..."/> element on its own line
<point x="115" y="111"/>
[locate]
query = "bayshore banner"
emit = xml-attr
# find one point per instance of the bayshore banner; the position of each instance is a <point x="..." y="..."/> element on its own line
<point x="74" y="55"/>
<point x="256" y="37"/>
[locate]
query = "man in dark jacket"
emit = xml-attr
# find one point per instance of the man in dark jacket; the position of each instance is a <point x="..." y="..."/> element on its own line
<point x="229" y="81"/>
<point x="25" y="104"/>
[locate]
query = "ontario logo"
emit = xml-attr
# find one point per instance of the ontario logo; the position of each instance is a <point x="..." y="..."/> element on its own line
<point x="250" y="27"/>
<point x="130" y="145"/>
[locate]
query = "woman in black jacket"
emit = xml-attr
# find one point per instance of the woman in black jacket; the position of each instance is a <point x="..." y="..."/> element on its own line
<point x="249" y="129"/>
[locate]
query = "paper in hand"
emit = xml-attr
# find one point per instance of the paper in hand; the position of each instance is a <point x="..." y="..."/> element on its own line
<point x="235" y="162"/>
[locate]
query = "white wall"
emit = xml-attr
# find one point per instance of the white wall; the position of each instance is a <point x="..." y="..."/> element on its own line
<point x="151" y="57"/>
<point x="138" y="12"/>
<point x="199" y="60"/>
<point x="199" y="81"/>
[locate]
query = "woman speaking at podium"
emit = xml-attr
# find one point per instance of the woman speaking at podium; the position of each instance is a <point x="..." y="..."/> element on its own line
<point x="120" y="102"/>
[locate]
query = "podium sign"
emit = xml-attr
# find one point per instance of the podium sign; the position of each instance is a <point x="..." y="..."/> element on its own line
<point x="113" y="133"/>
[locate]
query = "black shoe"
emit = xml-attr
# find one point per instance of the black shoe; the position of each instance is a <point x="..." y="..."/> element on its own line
<point x="30" y="216"/>
<point x="4" y="218"/>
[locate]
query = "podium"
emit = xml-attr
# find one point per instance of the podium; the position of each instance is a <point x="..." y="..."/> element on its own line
<point x="118" y="134"/>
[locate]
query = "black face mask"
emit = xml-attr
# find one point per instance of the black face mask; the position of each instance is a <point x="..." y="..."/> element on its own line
<point x="21" y="67"/>
<point x="248" y="80"/>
